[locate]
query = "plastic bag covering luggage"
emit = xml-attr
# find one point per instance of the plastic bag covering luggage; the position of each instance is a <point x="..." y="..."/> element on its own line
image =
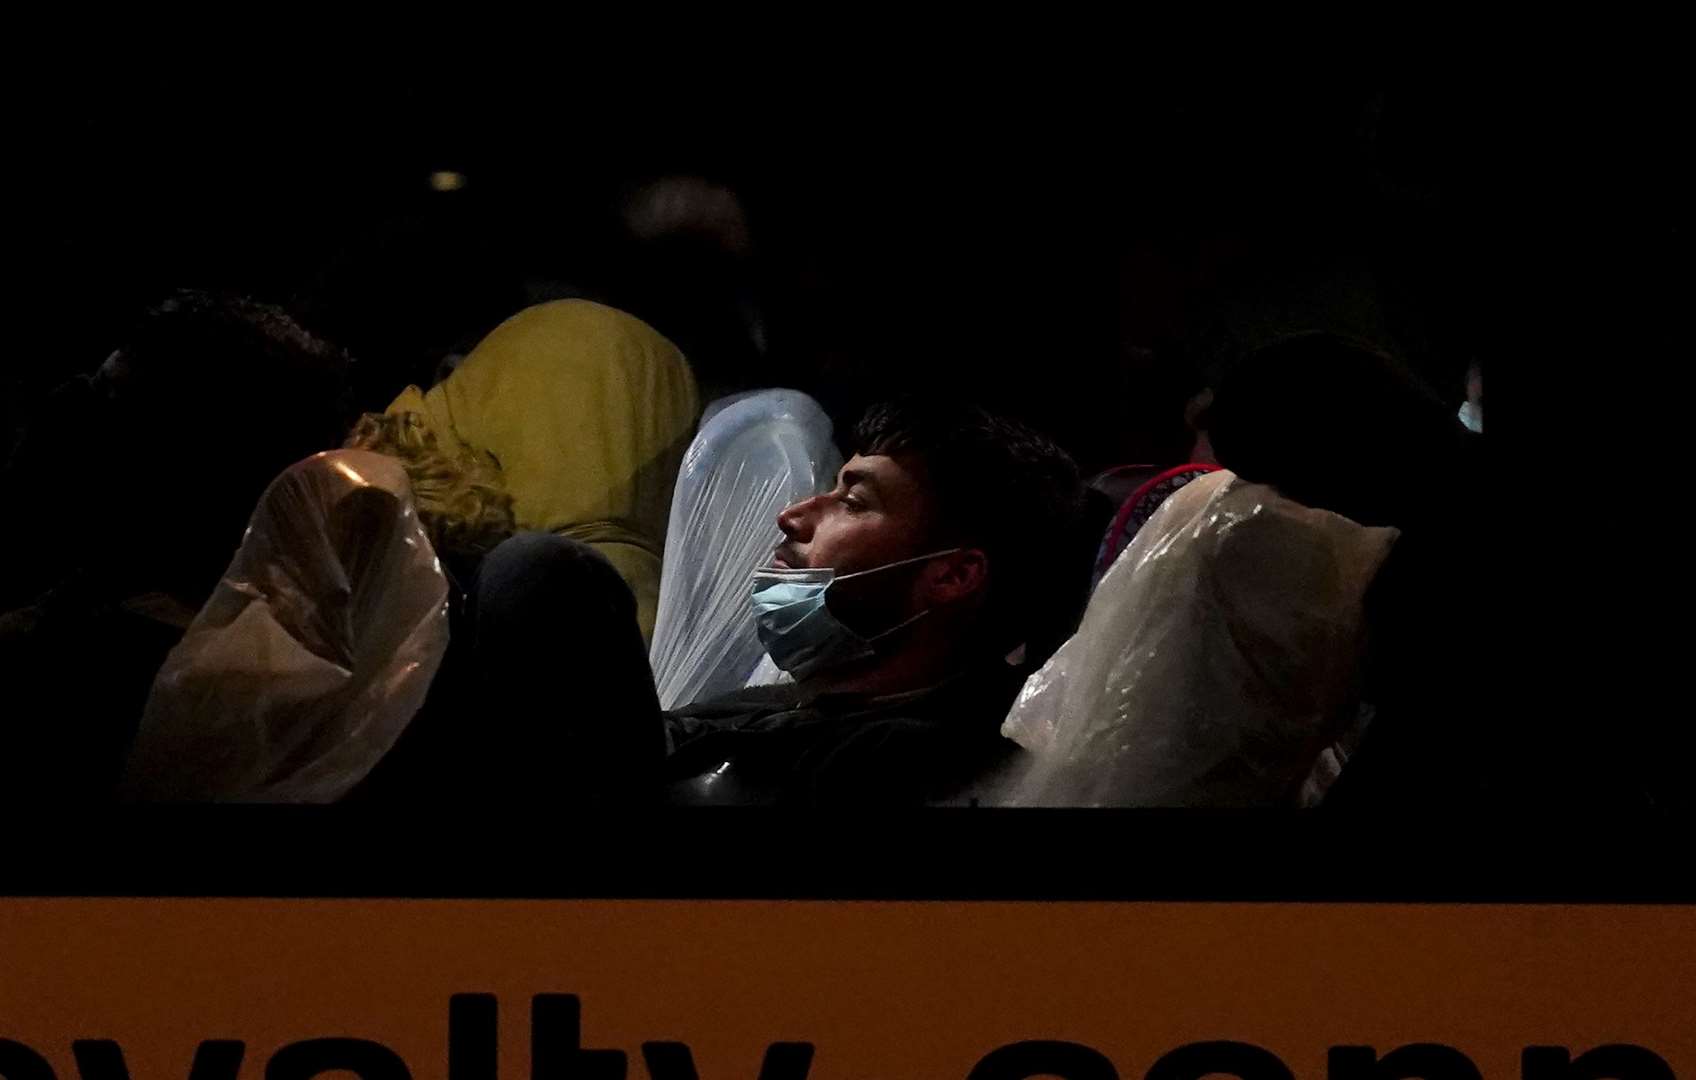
<point x="1137" y="507"/>
<point x="313" y="653"/>
<point x="1215" y="665"/>
<point x="752" y="457"/>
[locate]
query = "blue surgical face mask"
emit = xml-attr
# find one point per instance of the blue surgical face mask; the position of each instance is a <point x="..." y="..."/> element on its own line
<point x="797" y="628"/>
<point x="1473" y="417"/>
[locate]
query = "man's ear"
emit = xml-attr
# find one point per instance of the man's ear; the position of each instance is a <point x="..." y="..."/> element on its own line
<point x="956" y="576"/>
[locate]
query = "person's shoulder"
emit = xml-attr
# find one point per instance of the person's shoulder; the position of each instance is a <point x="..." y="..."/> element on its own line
<point x="987" y="689"/>
<point x="687" y="722"/>
<point x="938" y="725"/>
<point x="960" y="719"/>
<point x="907" y="760"/>
<point x="739" y="701"/>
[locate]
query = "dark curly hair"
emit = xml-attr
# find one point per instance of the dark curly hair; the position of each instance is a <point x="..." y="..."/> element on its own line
<point x="998" y="486"/>
<point x="209" y="397"/>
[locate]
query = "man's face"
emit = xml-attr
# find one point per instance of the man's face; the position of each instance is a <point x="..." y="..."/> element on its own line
<point x="878" y="513"/>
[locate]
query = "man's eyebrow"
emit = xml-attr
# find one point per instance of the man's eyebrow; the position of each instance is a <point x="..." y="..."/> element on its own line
<point x="852" y="477"/>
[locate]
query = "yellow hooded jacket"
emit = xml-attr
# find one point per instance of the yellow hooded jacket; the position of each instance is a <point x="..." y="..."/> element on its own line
<point x="588" y="410"/>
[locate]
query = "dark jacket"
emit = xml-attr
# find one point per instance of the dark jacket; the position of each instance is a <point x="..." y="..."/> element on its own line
<point x="769" y="746"/>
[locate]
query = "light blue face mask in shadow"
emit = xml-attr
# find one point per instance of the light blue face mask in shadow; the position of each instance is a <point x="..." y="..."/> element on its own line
<point x="798" y="630"/>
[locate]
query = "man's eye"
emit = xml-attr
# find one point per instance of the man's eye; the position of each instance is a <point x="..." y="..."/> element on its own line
<point x="854" y="503"/>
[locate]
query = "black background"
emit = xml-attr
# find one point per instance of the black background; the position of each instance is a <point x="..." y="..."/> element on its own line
<point x="1002" y="229"/>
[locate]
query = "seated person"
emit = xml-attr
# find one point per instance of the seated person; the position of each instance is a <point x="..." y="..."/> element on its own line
<point x="893" y="601"/>
<point x="139" y="480"/>
<point x="1337" y="424"/>
<point x="517" y="606"/>
<point x="313" y="654"/>
<point x="587" y="412"/>
<point x="1217" y="665"/>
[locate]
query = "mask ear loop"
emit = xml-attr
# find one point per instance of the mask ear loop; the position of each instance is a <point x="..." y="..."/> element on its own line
<point x="903" y="562"/>
<point x="897" y="626"/>
<point x="906" y="622"/>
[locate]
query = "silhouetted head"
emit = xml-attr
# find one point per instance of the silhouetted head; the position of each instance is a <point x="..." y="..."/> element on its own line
<point x="1335" y="424"/>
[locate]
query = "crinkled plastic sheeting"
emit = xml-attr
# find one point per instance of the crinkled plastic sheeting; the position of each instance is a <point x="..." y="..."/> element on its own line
<point x="1136" y="508"/>
<point x="312" y="655"/>
<point x="752" y="457"/>
<point x="1216" y="665"/>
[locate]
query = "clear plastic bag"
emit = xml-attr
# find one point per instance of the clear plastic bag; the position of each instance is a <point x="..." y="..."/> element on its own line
<point x="1216" y="665"/>
<point x="1138" y="506"/>
<point x="754" y="456"/>
<point x="313" y="653"/>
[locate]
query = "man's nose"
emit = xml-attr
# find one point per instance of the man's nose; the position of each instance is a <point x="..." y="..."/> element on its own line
<point x="796" y="521"/>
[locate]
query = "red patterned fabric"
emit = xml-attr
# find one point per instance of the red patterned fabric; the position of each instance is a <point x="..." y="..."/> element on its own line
<point x="1135" y="511"/>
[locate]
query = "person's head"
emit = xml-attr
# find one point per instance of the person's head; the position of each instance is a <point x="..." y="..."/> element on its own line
<point x="461" y="499"/>
<point x="983" y="506"/>
<point x="686" y="267"/>
<point x="208" y="398"/>
<point x="1335" y="424"/>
